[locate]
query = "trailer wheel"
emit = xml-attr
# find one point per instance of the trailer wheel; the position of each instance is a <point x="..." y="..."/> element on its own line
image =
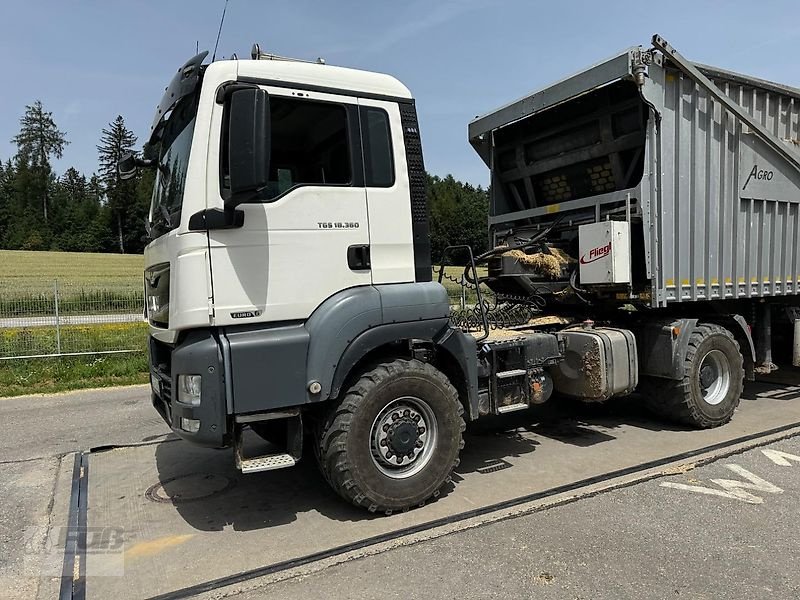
<point x="393" y="440"/>
<point x="713" y="378"/>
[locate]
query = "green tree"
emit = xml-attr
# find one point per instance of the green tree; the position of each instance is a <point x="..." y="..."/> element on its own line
<point x="116" y="140"/>
<point x="458" y="213"/>
<point x="38" y="140"/>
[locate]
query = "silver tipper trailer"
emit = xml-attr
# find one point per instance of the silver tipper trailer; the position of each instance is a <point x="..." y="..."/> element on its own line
<point x="700" y="167"/>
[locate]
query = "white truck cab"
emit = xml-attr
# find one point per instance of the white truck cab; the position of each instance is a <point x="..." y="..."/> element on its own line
<point x="289" y="246"/>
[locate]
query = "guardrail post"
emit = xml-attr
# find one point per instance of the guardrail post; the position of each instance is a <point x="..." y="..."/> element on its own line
<point x="58" y="324"/>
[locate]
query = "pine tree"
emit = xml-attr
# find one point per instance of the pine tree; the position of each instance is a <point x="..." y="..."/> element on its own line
<point x="39" y="139"/>
<point x="115" y="141"/>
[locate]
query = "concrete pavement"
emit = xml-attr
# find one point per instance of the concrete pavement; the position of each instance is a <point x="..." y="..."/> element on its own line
<point x="181" y="505"/>
<point x="39" y="435"/>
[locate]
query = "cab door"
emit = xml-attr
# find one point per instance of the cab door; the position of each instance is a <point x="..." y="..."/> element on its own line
<point x="388" y="192"/>
<point x="306" y="237"/>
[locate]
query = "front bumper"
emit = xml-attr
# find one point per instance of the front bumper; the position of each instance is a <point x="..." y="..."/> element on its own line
<point x="199" y="353"/>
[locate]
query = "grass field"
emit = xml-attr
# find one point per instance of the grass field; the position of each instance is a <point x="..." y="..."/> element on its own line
<point x="27" y="341"/>
<point x="87" y="283"/>
<point x="49" y="375"/>
<point x="28" y="272"/>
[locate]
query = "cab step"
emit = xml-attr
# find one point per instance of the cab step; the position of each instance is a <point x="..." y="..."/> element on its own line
<point x="280" y="454"/>
<point x="268" y="462"/>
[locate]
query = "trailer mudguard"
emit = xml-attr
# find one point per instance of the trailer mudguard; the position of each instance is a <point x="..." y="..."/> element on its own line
<point x="662" y="352"/>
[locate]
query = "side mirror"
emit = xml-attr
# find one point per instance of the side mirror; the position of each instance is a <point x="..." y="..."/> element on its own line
<point x="248" y="143"/>
<point x="126" y="167"/>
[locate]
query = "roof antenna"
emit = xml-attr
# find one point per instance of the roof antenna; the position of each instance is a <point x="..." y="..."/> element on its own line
<point x="219" y="32"/>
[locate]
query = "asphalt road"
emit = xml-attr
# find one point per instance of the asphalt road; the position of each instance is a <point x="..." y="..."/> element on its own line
<point x="47" y="426"/>
<point x="647" y="541"/>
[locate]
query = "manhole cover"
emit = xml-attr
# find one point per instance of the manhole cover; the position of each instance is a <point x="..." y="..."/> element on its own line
<point x="188" y="488"/>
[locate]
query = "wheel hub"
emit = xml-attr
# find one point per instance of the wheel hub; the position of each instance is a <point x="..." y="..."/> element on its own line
<point x="707" y="376"/>
<point x="402" y="441"/>
<point x="402" y="436"/>
<point x="714" y="377"/>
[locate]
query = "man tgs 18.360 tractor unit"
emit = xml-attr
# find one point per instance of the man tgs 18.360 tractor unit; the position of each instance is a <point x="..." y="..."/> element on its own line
<point x="643" y="219"/>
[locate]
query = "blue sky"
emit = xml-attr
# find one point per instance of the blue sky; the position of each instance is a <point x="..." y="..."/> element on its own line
<point x="91" y="60"/>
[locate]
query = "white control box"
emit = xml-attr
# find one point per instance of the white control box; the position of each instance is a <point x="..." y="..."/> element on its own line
<point x="604" y="252"/>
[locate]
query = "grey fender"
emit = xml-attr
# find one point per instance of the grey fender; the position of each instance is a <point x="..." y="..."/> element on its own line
<point x="662" y="354"/>
<point x="415" y="310"/>
<point x="738" y="326"/>
<point x="455" y="354"/>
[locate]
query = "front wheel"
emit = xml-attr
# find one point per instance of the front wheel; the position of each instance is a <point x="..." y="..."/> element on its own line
<point x="713" y="378"/>
<point x="393" y="440"/>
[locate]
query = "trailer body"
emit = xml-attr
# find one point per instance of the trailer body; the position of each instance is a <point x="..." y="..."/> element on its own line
<point x="712" y="206"/>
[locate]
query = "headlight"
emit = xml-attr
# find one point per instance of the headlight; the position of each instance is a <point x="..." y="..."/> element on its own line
<point x="189" y="389"/>
<point x="155" y="306"/>
<point x="190" y="425"/>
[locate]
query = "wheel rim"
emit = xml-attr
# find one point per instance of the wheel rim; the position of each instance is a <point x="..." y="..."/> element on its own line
<point x="714" y="377"/>
<point x="403" y="437"/>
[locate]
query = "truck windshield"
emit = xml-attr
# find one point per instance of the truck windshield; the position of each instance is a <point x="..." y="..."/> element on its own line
<point x="173" y="159"/>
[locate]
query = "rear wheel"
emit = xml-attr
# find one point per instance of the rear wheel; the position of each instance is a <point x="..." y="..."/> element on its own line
<point x="393" y="440"/>
<point x="713" y="378"/>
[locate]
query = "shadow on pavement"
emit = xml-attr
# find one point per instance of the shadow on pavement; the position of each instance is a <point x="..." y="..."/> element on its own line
<point x="268" y="499"/>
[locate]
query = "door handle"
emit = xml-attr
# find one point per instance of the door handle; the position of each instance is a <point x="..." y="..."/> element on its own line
<point x="358" y="257"/>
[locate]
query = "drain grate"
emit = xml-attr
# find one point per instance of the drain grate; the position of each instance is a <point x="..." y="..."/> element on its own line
<point x="189" y="488"/>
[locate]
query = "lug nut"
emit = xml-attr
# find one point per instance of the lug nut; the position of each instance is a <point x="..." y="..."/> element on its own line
<point x="420" y="430"/>
<point x="406" y="413"/>
<point x="386" y="427"/>
<point x="399" y="460"/>
<point x="419" y="444"/>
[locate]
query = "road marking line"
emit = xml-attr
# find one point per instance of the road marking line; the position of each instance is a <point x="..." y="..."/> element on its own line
<point x="733" y="489"/>
<point x="780" y="458"/>
<point x="155" y="546"/>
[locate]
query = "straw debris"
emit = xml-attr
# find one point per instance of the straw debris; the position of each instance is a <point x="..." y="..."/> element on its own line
<point x="546" y="264"/>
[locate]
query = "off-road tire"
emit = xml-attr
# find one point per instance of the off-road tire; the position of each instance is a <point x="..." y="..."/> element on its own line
<point x="682" y="400"/>
<point x="344" y="440"/>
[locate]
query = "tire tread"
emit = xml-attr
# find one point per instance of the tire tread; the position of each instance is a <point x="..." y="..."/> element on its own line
<point x="331" y="455"/>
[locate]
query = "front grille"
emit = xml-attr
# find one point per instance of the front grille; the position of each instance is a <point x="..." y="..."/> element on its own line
<point x="161" y="369"/>
<point x="166" y="390"/>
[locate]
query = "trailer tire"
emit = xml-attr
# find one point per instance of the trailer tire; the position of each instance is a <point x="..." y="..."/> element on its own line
<point x="403" y="410"/>
<point x="713" y="378"/>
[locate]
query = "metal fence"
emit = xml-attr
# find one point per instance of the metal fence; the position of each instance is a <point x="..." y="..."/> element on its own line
<point x="54" y="318"/>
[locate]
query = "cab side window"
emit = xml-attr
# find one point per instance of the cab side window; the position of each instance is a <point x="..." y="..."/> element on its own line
<point x="310" y="145"/>
<point x="377" y="141"/>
